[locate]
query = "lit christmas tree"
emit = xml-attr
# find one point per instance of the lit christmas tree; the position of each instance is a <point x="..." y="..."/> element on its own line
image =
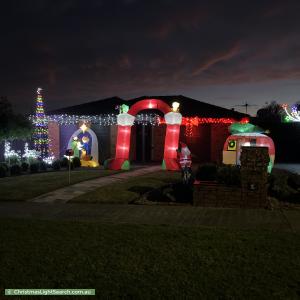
<point x="40" y="136"/>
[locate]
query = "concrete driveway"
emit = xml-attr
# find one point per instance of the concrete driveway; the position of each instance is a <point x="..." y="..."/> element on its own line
<point x="290" y="167"/>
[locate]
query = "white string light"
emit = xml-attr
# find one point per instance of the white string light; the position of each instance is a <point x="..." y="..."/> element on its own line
<point x="30" y="154"/>
<point x="9" y="153"/>
<point x="102" y="120"/>
<point x="49" y="160"/>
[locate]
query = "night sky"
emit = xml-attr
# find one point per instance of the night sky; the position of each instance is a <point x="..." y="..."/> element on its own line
<point x="224" y="53"/>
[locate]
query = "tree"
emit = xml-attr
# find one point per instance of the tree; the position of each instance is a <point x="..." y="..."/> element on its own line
<point x="13" y="126"/>
<point x="271" y="113"/>
<point x="40" y="136"/>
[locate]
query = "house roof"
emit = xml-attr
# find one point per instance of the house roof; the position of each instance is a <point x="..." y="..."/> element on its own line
<point x="104" y="106"/>
<point x="188" y="107"/>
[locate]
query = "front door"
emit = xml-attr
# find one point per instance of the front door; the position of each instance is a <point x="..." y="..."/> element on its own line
<point x="143" y="143"/>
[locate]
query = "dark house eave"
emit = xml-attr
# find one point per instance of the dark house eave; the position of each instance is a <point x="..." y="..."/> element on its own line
<point x="188" y="107"/>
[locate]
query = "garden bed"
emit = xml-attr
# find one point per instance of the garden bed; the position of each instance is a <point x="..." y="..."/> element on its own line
<point x="131" y="190"/>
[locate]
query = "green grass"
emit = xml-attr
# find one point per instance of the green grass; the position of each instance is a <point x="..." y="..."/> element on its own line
<point x="24" y="187"/>
<point x="149" y="262"/>
<point x="129" y="190"/>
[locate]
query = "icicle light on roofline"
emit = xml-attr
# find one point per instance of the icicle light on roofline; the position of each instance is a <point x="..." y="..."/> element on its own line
<point x="151" y="119"/>
<point x="195" y="121"/>
<point x="190" y="122"/>
<point x="102" y="120"/>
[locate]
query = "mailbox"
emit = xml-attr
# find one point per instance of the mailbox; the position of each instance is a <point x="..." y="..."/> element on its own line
<point x="69" y="152"/>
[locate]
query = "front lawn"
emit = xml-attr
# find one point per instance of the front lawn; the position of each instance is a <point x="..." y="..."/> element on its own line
<point x="149" y="262"/>
<point x="24" y="187"/>
<point x="128" y="190"/>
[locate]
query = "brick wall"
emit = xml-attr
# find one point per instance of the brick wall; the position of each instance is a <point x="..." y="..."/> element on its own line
<point x="217" y="195"/>
<point x="199" y="143"/>
<point x="132" y="153"/>
<point x="113" y="140"/>
<point x="219" y="133"/>
<point x="54" y="136"/>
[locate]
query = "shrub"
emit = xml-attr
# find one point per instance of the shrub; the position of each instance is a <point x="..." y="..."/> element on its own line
<point x="64" y="162"/>
<point x="207" y="172"/>
<point x="43" y="166"/>
<point x="294" y="181"/>
<point x="229" y="175"/>
<point x="24" y="166"/>
<point x="3" y="171"/>
<point x="13" y="159"/>
<point x="183" y="192"/>
<point x="15" y="170"/>
<point x="34" y="168"/>
<point x="56" y="165"/>
<point x="283" y="185"/>
<point x="5" y="166"/>
<point x="31" y="161"/>
<point x="76" y="162"/>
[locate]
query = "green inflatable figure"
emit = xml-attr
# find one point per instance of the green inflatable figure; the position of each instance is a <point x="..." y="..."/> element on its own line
<point x="124" y="108"/>
<point x="74" y="146"/>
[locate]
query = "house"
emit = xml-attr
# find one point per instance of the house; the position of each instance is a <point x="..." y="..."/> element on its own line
<point x="204" y="127"/>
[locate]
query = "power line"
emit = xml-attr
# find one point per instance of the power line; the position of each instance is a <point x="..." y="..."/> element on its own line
<point x="246" y="105"/>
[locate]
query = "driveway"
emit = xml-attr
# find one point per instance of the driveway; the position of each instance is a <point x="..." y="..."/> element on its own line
<point x="290" y="167"/>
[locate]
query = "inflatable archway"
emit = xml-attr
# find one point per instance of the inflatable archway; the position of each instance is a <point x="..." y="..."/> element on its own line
<point x="126" y="119"/>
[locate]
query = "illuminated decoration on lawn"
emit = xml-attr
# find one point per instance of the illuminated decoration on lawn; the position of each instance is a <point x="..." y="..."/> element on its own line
<point x="84" y="144"/>
<point x="234" y="143"/>
<point x="294" y="115"/>
<point x="11" y="155"/>
<point x="126" y="119"/>
<point x="30" y="155"/>
<point x="185" y="157"/>
<point x="40" y="135"/>
<point x="49" y="160"/>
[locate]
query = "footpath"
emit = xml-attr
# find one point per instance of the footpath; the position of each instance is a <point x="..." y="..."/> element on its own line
<point x="257" y="219"/>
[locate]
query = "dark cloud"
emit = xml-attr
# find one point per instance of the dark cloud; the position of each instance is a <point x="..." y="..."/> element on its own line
<point x="86" y="50"/>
